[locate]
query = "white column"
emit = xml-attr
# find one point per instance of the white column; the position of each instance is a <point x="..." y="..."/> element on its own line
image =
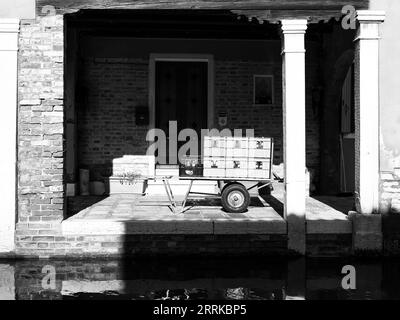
<point x="9" y="29"/>
<point x="367" y="110"/>
<point x="294" y="131"/>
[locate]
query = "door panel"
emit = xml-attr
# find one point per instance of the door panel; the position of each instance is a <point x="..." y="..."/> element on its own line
<point x="181" y="95"/>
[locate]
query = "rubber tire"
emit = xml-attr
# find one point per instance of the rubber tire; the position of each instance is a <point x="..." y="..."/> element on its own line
<point x="238" y="188"/>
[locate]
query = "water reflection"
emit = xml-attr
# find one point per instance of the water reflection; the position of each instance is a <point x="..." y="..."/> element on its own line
<point x="270" y="279"/>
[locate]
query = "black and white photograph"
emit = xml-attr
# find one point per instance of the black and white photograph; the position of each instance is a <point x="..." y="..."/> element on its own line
<point x="199" y="158"/>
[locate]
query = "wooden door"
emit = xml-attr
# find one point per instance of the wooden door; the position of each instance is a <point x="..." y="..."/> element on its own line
<point x="181" y="95"/>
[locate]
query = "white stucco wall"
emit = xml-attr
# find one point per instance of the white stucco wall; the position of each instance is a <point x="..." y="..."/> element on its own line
<point x="389" y="83"/>
<point x="22" y="9"/>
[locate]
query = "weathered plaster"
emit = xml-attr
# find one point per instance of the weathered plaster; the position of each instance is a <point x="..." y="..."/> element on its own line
<point x="389" y="84"/>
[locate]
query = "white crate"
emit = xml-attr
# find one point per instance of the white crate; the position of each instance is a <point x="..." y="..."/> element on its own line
<point x="214" y="162"/>
<point x="133" y="164"/>
<point x="259" y="168"/>
<point x="213" y="172"/>
<point x="237" y="153"/>
<point x="236" y="173"/>
<point x="214" y="142"/>
<point x="237" y="147"/>
<point x="260" y="143"/>
<point x="237" y="157"/>
<point x="118" y="185"/>
<point x="236" y="167"/>
<point x="259" y="153"/>
<point x="237" y="143"/>
<point x="259" y="173"/>
<point x="214" y="152"/>
<point x="258" y="163"/>
<point x="236" y="163"/>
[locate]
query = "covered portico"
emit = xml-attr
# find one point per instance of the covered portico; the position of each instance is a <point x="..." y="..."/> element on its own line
<point x="366" y="121"/>
<point x="294" y="25"/>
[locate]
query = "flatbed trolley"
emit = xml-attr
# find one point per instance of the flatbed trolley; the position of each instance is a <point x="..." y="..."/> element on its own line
<point x="235" y="197"/>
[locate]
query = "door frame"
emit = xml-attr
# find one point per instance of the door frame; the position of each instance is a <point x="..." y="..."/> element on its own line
<point x="181" y="57"/>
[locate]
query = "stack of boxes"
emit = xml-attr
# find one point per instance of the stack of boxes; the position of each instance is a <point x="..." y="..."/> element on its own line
<point x="237" y="152"/>
<point x="260" y="157"/>
<point x="214" y="155"/>
<point x="237" y="157"/>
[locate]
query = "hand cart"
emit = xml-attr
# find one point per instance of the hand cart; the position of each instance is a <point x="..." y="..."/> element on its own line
<point x="235" y="197"/>
<point x="222" y="158"/>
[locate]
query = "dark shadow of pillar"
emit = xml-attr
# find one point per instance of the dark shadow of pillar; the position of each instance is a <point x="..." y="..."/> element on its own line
<point x="296" y="279"/>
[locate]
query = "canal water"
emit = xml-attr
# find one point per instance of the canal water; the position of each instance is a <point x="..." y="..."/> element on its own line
<point x="237" y="279"/>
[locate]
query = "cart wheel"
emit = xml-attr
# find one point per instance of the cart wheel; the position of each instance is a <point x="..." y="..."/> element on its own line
<point x="235" y="198"/>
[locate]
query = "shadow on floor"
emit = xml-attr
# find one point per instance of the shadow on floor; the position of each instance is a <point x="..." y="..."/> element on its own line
<point x="275" y="203"/>
<point x="79" y="203"/>
<point x="343" y="204"/>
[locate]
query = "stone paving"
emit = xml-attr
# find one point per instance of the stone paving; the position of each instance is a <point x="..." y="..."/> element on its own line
<point x="135" y="207"/>
<point x="205" y="215"/>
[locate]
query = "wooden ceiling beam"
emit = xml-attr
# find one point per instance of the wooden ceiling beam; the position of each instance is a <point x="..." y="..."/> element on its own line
<point x="70" y="6"/>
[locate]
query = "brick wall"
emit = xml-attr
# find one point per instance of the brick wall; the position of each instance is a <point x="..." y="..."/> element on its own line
<point x="111" y="90"/>
<point x="312" y="118"/>
<point x="114" y="86"/>
<point x="40" y="128"/>
<point x="152" y="244"/>
<point x="390" y="209"/>
<point x="234" y="95"/>
<point x="390" y="193"/>
<point x="329" y="245"/>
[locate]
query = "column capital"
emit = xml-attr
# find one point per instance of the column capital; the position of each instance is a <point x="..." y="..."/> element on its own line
<point x="370" y="16"/>
<point x="293" y="31"/>
<point x="369" y="24"/>
<point x="9" y="30"/>
<point x="9" y="25"/>
<point x="294" y="26"/>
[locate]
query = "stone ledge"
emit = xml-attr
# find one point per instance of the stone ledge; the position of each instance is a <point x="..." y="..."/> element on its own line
<point x="336" y="226"/>
<point x="250" y="227"/>
<point x="115" y="227"/>
<point x="367" y="233"/>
